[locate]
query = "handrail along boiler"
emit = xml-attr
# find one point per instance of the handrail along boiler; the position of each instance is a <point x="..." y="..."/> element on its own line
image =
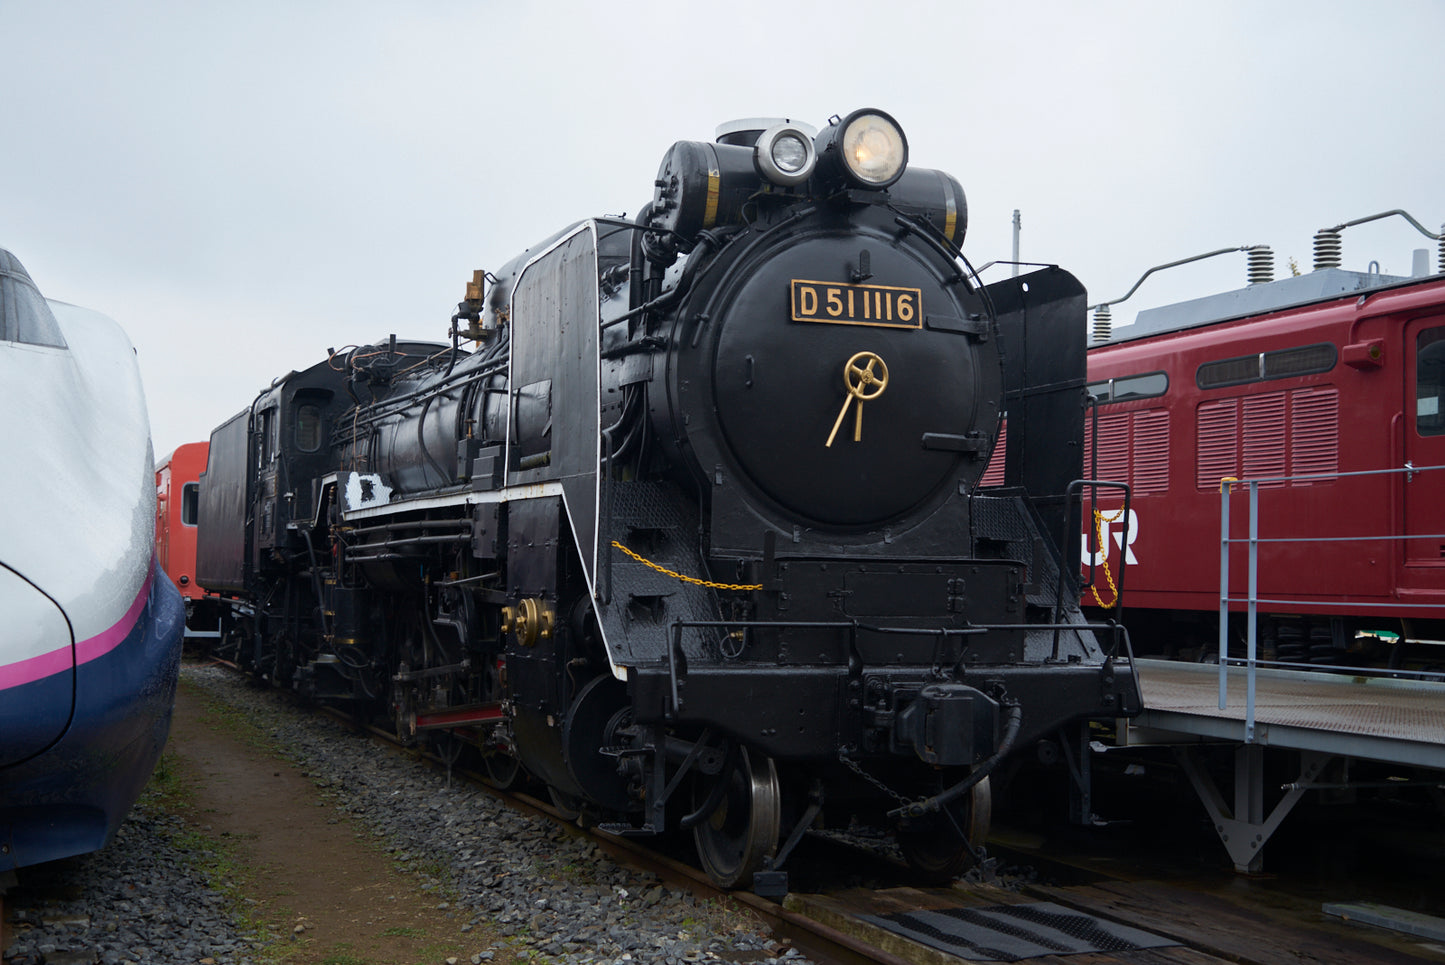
<point x="695" y="536"/>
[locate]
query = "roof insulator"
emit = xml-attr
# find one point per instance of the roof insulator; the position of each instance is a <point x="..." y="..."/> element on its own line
<point x="1261" y="265"/>
<point x="1327" y="248"/>
<point x="1103" y="324"/>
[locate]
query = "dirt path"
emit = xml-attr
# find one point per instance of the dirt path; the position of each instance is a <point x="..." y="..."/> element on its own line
<point x="305" y="866"/>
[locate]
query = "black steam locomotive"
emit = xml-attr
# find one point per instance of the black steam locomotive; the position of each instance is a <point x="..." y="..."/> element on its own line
<point x="695" y="535"/>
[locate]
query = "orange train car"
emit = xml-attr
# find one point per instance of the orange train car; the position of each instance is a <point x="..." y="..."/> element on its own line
<point x="177" y="501"/>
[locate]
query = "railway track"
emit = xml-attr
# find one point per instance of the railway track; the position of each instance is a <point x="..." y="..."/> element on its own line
<point x="814" y="938"/>
<point x="887" y="921"/>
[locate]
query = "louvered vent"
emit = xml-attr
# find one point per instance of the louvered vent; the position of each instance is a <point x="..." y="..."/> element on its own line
<point x="993" y="475"/>
<point x="1151" y="452"/>
<point x="1264" y="437"/>
<point x="1113" y="448"/>
<point x="1216" y="435"/>
<point x="1314" y="433"/>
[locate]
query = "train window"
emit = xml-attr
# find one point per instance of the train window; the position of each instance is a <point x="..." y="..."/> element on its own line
<point x="1430" y="382"/>
<point x="268" y="437"/>
<point x="25" y="317"/>
<point x="1280" y="364"/>
<point x="1130" y="387"/>
<point x="1139" y="387"/>
<point x="1212" y="375"/>
<point x="1299" y="361"/>
<point x="308" y="428"/>
<point x="190" y="503"/>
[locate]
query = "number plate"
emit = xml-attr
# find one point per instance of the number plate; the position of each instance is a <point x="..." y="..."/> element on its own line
<point x="839" y="304"/>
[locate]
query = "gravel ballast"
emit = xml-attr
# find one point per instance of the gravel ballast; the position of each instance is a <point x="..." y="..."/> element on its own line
<point x="546" y="891"/>
<point x="138" y="900"/>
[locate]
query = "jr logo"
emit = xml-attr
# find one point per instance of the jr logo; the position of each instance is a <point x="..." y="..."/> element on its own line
<point x="1112" y="528"/>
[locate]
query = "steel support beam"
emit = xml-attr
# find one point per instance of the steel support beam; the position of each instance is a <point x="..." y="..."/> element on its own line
<point x="1244" y="829"/>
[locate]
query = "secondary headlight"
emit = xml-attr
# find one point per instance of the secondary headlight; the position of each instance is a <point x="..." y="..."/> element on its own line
<point x="785" y="155"/>
<point x="874" y="149"/>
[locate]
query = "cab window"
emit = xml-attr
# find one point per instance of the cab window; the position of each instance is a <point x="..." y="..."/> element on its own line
<point x="190" y="503"/>
<point x="1430" y="382"/>
<point x="25" y="316"/>
<point x="268" y="441"/>
<point x="308" y="428"/>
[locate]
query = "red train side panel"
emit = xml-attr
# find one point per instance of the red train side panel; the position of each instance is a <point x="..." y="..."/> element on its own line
<point x="177" y="500"/>
<point x="1344" y="384"/>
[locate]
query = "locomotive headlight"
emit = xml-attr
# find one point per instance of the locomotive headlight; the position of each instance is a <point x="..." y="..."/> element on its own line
<point x="790" y="153"/>
<point x="873" y="148"/>
<point x="784" y="154"/>
<point x="865" y="149"/>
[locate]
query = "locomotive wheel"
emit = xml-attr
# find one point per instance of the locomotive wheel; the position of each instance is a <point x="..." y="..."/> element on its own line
<point x="935" y="851"/>
<point x="742" y="831"/>
<point x="571" y="807"/>
<point x="597" y="711"/>
<point x="504" y="771"/>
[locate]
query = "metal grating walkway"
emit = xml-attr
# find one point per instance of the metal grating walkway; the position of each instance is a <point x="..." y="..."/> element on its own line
<point x="1008" y="933"/>
<point x="1397" y="721"/>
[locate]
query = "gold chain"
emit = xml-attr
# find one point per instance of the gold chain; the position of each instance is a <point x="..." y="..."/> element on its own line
<point x="1099" y="521"/>
<point x="686" y="579"/>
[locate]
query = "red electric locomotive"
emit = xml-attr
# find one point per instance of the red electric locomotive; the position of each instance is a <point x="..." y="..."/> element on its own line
<point x="1325" y="389"/>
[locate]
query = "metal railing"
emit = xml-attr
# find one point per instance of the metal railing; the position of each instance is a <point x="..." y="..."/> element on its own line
<point x="1252" y="600"/>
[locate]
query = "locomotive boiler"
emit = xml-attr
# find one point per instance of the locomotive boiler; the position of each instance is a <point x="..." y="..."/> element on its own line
<point x="695" y="535"/>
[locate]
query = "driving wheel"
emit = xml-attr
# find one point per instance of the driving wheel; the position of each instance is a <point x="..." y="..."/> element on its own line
<point x="741" y="832"/>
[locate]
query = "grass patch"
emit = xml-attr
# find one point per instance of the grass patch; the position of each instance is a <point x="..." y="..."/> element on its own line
<point x="574" y="873"/>
<point x="167" y="789"/>
<point x="722" y="915"/>
<point x="223" y="860"/>
<point x="229" y="720"/>
<point x="171" y="790"/>
<point x="341" y="955"/>
<point x="436" y="878"/>
<point x="214" y="859"/>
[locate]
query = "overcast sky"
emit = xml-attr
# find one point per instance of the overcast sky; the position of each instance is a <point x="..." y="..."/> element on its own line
<point x="242" y="185"/>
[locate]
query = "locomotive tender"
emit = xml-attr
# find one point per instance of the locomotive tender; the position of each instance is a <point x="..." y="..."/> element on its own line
<point x="695" y="536"/>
